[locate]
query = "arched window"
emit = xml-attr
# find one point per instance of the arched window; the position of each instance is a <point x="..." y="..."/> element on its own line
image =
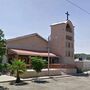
<point x="68" y="28"/>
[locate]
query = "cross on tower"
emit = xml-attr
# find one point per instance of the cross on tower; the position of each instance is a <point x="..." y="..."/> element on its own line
<point x="67" y="14"/>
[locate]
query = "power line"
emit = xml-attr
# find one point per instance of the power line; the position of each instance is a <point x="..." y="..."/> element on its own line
<point x="77" y="6"/>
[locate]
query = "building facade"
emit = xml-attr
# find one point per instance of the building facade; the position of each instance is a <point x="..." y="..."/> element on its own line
<point x="60" y="45"/>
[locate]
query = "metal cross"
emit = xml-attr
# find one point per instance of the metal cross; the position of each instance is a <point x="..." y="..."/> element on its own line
<point x="67" y="14"/>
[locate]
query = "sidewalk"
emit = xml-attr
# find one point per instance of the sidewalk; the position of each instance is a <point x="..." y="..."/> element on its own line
<point x="6" y="78"/>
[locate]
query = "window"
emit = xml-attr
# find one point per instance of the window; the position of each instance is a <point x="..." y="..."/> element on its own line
<point x="72" y="45"/>
<point x="68" y="44"/>
<point x="68" y="53"/>
<point x="72" y="54"/>
<point x="68" y="37"/>
<point x="55" y="61"/>
<point x="68" y="28"/>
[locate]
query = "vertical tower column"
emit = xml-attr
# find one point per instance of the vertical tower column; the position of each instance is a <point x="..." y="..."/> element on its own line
<point x="62" y="41"/>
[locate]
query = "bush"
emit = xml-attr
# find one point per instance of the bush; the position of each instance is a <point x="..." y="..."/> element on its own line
<point x="38" y="63"/>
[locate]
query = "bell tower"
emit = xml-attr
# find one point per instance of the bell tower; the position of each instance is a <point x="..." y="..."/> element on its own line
<point x="62" y="41"/>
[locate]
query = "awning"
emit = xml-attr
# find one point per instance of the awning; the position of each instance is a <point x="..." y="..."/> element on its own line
<point x="32" y="53"/>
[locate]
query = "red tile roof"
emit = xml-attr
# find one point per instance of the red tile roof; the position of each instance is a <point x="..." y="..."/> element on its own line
<point x="32" y="53"/>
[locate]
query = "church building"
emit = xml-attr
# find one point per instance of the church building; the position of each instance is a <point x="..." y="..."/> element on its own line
<point x="59" y="48"/>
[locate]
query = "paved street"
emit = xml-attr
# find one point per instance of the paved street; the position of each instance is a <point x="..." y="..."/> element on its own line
<point x="55" y="83"/>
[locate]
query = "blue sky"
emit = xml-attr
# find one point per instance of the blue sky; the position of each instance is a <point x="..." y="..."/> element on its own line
<point x="21" y="17"/>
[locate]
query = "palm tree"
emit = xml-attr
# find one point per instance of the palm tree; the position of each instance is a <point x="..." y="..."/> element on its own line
<point x="18" y="67"/>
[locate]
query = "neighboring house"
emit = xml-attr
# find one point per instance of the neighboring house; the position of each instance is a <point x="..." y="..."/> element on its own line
<point x="61" y="45"/>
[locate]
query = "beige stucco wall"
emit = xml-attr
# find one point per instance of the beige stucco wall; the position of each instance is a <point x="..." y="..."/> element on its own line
<point x="32" y="73"/>
<point x="29" y="43"/>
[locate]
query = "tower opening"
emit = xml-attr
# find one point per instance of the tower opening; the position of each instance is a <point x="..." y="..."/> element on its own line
<point x="68" y="28"/>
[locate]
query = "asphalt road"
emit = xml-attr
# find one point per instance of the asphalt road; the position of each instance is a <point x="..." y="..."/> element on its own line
<point x="55" y="83"/>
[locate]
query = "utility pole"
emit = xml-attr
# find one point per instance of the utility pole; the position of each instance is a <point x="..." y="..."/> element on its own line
<point x="48" y="54"/>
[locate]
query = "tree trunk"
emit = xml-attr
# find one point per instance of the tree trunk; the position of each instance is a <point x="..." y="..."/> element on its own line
<point x="37" y="78"/>
<point x="18" y="77"/>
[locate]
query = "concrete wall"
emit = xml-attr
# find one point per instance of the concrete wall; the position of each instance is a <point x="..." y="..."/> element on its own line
<point x="58" y="41"/>
<point x="83" y="65"/>
<point x="69" y="59"/>
<point x="32" y="73"/>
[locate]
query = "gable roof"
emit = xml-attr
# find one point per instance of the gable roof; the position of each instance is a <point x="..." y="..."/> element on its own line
<point x="26" y="36"/>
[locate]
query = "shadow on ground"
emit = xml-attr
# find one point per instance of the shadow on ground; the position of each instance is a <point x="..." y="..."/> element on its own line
<point x="82" y="74"/>
<point x="18" y="84"/>
<point x="42" y="81"/>
<point x="3" y="88"/>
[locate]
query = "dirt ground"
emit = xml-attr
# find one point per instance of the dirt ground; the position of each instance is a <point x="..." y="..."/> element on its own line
<point x="54" y="83"/>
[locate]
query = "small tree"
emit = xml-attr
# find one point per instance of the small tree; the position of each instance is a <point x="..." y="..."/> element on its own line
<point x="38" y="63"/>
<point x="2" y="45"/>
<point x="18" y="67"/>
<point x="3" y="68"/>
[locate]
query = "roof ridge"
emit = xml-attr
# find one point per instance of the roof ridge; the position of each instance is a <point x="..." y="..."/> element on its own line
<point x="24" y="36"/>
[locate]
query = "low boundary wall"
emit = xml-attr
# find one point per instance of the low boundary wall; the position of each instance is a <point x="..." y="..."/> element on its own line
<point x="66" y="66"/>
<point x="31" y="73"/>
<point x="83" y="65"/>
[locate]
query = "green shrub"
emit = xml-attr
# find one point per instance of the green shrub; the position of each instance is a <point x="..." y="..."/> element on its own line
<point x="38" y="63"/>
